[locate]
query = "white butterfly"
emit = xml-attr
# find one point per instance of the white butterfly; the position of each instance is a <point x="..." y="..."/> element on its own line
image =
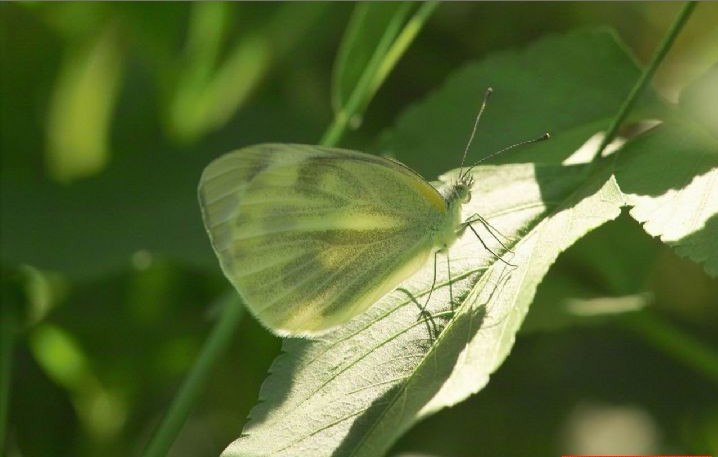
<point x="312" y="236"/>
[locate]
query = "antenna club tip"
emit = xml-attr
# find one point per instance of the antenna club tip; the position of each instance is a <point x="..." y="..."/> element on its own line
<point x="546" y="136"/>
<point x="489" y="91"/>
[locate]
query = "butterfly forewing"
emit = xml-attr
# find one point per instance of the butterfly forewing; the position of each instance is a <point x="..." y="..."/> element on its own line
<point x="312" y="236"/>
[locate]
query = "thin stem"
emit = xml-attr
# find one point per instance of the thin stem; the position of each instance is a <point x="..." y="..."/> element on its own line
<point x="645" y="78"/>
<point x="672" y="340"/>
<point x="194" y="383"/>
<point x="387" y="54"/>
<point x="358" y="96"/>
<point x="401" y="44"/>
<point x="336" y="129"/>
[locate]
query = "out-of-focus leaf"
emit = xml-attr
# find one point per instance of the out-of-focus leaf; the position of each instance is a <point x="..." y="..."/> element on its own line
<point x="551" y="86"/>
<point x="209" y="92"/>
<point x="65" y="362"/>
<point x="605" y="273"/>
<point x="670" y="178"/>
<point x="81" y="110"/>
<point x="60" y="356"/>
<point x="700" y="99"/>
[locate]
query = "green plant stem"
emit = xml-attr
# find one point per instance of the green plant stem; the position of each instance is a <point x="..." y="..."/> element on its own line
<point x="645" y="78"/>
<point x="186" y="398"/>
<point x="359" y="95"/>
<point x="401" y="44"/>
<point x="387" y="54"/>
<point x="675" y="342"/>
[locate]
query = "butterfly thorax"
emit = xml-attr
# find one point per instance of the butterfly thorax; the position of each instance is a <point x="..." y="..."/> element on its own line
<point x="455" y="196"/>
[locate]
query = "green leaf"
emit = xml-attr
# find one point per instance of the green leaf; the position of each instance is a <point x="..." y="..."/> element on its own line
<point x="355" y="391"/>
<point x="551" y="86"/>
<point x="209" y="92"/>
<point x="669" y="176"/>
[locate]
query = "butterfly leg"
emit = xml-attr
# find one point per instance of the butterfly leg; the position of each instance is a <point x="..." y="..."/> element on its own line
<point x="476" y="217"/>
<point x="451" y="291"/>
<point x="489" y="249"/>
<point x="433" y="283"/>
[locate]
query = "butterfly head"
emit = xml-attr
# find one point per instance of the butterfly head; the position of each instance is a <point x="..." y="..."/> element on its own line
<point x="462" y="189"/>
<point x="459" y="193"/>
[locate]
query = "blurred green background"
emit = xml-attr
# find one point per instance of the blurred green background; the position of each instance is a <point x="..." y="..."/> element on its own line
<point x="109" y="285"/>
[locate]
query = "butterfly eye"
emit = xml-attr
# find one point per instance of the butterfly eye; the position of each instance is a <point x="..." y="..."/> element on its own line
<point x="463" y="193"/>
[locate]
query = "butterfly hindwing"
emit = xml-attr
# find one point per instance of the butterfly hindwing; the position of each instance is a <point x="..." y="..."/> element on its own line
<point x="312" y="236"/>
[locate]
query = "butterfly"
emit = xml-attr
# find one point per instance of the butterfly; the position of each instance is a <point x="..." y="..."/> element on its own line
<point x="312" y="236"/>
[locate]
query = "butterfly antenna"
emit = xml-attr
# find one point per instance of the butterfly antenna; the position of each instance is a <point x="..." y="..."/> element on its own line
<point x="487" y="94"/>
<point x="543" y="137"/>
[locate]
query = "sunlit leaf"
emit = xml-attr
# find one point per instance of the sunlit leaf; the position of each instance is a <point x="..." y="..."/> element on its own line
<point x="670" y="178"/>
<point x="355" y="391"/>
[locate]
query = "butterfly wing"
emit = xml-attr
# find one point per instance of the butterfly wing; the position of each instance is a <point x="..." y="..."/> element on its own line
<point x="312" y="236"/>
